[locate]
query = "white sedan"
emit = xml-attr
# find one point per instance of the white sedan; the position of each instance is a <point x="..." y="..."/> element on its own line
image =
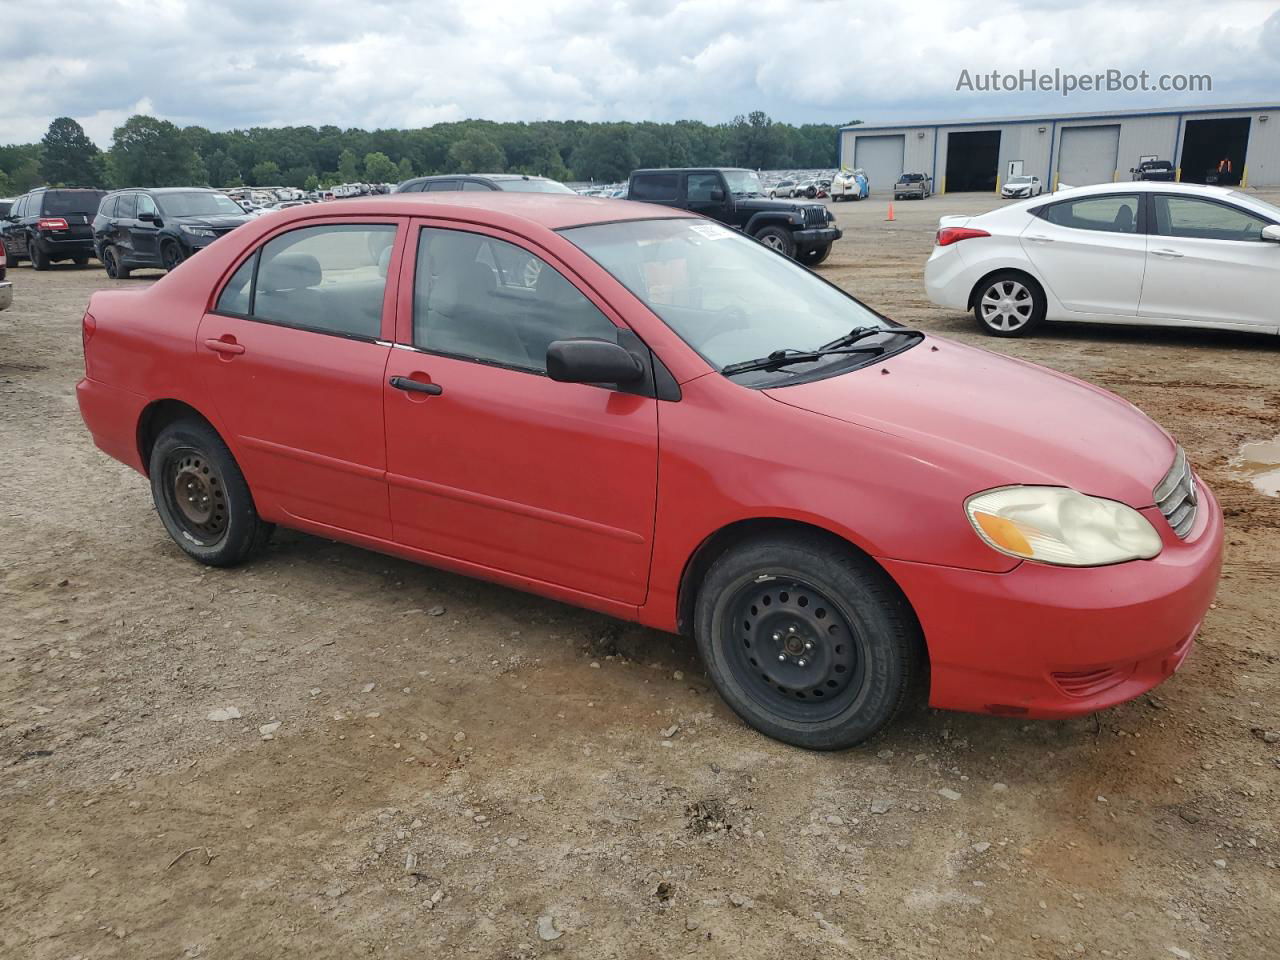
<point x="1164" y="254"/>
<point x="1020" y="187"/>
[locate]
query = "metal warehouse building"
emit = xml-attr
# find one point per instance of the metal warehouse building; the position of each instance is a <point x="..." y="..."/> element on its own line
<point x="1072" y="149"/>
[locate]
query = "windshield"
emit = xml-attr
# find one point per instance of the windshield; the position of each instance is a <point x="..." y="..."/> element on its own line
<point x="198" y="204"/>
<point x="727" y="296"/>
<point x="1018" y="180"/>
<point x="61" y="202"/>
<point x="1271" y="209"/>
<point x="534" y="186"/>
<point x="744" y="183"/>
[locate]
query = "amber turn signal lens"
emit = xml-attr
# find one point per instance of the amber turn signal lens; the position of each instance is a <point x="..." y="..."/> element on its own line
<point x="1004" y="533"/>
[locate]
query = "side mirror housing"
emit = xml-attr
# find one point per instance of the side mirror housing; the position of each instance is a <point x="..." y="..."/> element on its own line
<point x="717" y="196"/>
<point x="1271" y="232"/>
<point x="148" y="217"/>
<point x="585" y="360"/>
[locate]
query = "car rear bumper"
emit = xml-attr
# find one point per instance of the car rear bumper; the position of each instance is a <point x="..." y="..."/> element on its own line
<point x="58" y="248"/>
<point x="1046" y="641"/>
<point x="6" y="293"/>
<point x="112" y="416"/>
<point x="948" y="280"/>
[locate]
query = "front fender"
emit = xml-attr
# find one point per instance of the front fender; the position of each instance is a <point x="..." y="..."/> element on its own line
<point x="766" y="219"/>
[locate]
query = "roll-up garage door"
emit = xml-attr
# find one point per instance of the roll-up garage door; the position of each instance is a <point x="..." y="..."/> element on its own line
<point x="1088" y="155"/>
<point x="881" y="158"/>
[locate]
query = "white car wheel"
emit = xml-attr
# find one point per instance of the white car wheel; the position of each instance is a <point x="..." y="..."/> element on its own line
<point x="1008" y="306"/>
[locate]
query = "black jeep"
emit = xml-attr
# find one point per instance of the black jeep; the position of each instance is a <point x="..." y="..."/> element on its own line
<point x="737" y="199"/>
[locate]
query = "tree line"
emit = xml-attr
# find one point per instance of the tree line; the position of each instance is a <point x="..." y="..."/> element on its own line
<point x="149" y="152"/>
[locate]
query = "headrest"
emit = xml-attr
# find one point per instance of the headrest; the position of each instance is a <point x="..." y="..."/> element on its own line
<point x="384" y="261"/>
<point x="289" y="271"/>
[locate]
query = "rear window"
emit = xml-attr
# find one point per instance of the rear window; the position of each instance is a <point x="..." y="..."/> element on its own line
<point x="662" y="187"/>
<point x="60" y="202"/>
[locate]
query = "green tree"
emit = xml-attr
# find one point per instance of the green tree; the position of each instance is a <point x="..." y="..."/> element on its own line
<point x="69" y="157"/>
<point x="476" y="153"/>
<point x="405" y="170"/>
<point x="311" y="184"/>
<point x="146" y="152"/>
<point x="348" y="166"/>
<point x="605" y="154"/>
<point x="265" y="174"/>
<point x="222" y="169"/>
<point x="297" y="176"/>
<point x="378" y="168"/>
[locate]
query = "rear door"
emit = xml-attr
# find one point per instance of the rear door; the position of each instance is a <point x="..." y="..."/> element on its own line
<point x="1090" y="252"/>
<point x="294" y="352"/>
<point x="1208" y="263"/>
<point x="15" y="231"/>
<point x="123" y="224"/>
<point x="491" y="462"/>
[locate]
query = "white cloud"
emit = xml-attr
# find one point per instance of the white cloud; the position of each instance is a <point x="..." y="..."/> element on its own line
<point x="238" y="63"/>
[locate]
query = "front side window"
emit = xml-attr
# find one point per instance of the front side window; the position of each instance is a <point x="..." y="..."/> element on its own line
<point x="1192" y="218"/>
<point x="1110" y="213"/>
<point x="480" y="298"/>
<point x="475" y="185"/>
<point x="700" y="186"/>
<point x="435" y="185"/>
<point x="729" y="297"/>
<point x="146" y="205"/>
<point x="658" y="187"/>
<point x="127" y="206"/>
<point x="328" y="279"/>
<point x="535" y="185"/>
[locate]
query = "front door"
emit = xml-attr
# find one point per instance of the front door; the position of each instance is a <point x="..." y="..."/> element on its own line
<point x="1090" y="252"/>
<point x="1208" y="262"/>
<point x="488" y="460"/>
<point x="295" y="363"/>
<point x="707" y="194"/>
<point x="146" y="234"/>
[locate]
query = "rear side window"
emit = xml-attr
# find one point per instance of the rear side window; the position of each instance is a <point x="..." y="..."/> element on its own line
<point x="1204" y="220"/>
<point x="1111" y="213"/>
<point x="127" y="206"/>
<point x="658" y="187"/>
<point x="433" y="186"/>
<point x="58" y="203"/>
<point x="328" y="279"/>
<point x="480" y="298"/>
<point x="475" y="185"/>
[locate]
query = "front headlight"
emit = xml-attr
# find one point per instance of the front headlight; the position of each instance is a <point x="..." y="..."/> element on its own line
<point x="1060" y="526"/>
<point x="197" y="231"/>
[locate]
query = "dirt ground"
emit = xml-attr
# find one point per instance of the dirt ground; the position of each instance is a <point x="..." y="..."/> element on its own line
<point x="460" y="769"/>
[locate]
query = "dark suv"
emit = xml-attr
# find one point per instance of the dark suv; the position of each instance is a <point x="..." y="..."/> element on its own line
<point x="161" y="226"/>
<point x="737" y="199"/>
<point x="518" y="182"/>
<point x="49" y="224"/>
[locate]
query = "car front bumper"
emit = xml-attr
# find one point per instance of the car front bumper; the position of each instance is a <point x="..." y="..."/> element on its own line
<point x="816" y="237"/>
<point x="1044" y="641"/>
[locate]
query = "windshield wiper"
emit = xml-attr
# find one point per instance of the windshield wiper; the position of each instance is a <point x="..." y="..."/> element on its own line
<point x="861" y="333"/>
<point x="782" y="358"/>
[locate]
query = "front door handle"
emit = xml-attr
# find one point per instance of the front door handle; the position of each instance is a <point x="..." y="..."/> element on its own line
<point x="1168" y="254"/>
<point x="1041" y="238"/>
<point x="225" y="346"/>
<point x="417" y="386"/>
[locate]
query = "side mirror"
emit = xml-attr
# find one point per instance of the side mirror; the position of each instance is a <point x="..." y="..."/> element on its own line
<point x="1271" y="232"/>
<point x="592" y="361"/>
<point x="717" y="196"/>
<point x="148" y="217"/>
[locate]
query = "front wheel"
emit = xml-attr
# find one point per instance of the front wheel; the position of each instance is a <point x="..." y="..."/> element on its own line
<point x="1009" y="304"/>
<point x="779" y="239"/>
<point x="815" y="256"/>
<point x="171" y="256"/>
<point x="809" y="643"/>
<point x="202" y="497"/>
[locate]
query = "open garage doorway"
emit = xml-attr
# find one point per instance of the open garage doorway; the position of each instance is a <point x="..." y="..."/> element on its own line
<point x="973" y="160"/>
<point x="1214" y="144"/>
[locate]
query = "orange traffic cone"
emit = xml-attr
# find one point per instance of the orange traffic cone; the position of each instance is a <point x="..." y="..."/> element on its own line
<point x="889" y="218"/>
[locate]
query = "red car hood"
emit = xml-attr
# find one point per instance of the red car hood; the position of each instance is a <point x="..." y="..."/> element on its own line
<point x="1006" y="421"/>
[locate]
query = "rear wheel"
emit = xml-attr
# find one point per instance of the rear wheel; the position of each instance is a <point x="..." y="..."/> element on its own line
<point x="79" y="261"/>
<point x="815" y="256"/>
<point x="10" y="257"/>
<point x="808" y="643"/>
<point x="111" y="263"/>
<point x="39" y="259"/>
<point x="779" y="239"/>
<point x="202" y="497"/>
<point x="1009" y="304"/>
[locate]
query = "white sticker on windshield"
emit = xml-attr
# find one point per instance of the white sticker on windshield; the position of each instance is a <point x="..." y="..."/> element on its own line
<point x="711" y="231"/>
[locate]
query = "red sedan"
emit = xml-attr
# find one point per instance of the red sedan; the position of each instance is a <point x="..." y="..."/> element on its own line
<point x="638" y="411"/>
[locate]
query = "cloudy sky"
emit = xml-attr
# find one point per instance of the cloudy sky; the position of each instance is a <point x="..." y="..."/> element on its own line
<point x="406" y="63"/>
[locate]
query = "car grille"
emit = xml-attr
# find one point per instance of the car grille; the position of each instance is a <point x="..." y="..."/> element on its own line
<point x="1088" y="683"/>
<point x="815" y="216"/>
<point x="1175" y="495"/>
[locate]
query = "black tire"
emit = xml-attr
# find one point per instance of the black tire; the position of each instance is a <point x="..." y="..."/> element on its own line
<point x="171" y="255"/>
<point x="79" y="261"/>
<point x="815" y="256"/>
<point x="111" y="263"/>
<point x="864" y="646"/>
<point x="1009" y="304"/>
<point x="777" y="238"/>
<point x="11" y="258"/>
<point x="39" y="259"/>
<point x="219" y="526"/>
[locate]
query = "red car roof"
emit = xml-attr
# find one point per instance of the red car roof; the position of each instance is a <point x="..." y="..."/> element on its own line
<point x="551" y="210"/>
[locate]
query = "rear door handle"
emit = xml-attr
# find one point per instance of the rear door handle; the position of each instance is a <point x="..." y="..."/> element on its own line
<point x="1040" y="238"/>
<point x="1169" y="254"/>
<point x="417" y="386"/>
<point x="224" y="346"/>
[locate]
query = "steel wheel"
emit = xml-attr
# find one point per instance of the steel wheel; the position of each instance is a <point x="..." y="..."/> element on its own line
<point x="1007" y="305"/>
<point x="775" y="242"/>
<point x="196" y="495"/>
<point x="793" y="651"/>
